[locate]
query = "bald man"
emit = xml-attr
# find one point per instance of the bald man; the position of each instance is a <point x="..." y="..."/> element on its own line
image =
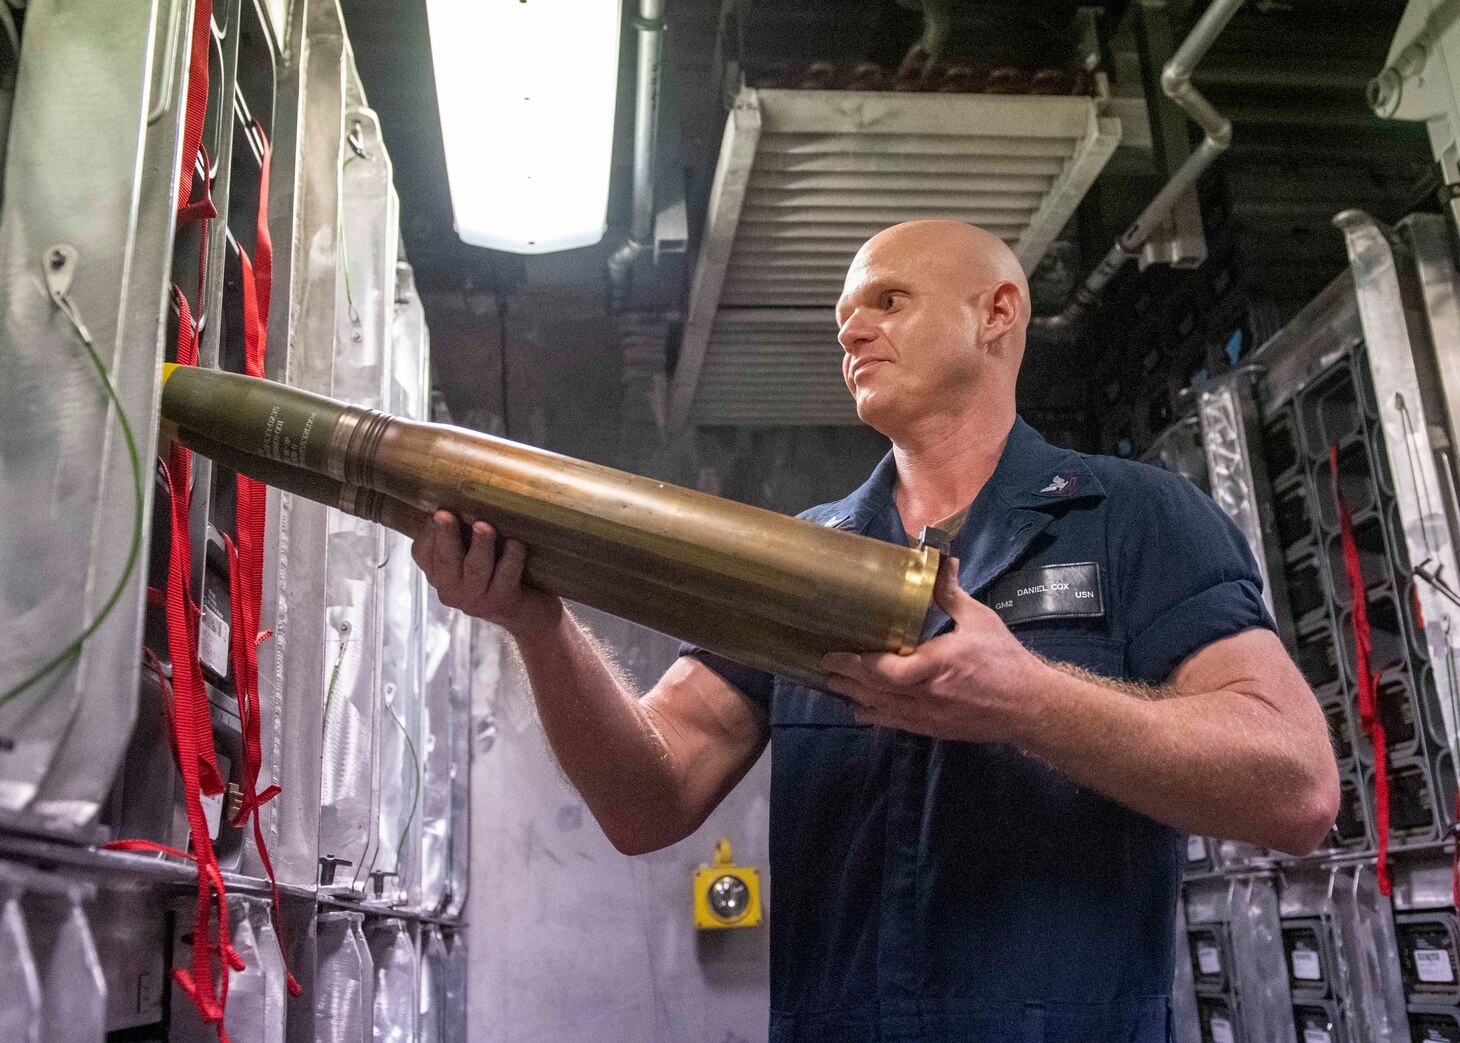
<point x="982" y="841"/>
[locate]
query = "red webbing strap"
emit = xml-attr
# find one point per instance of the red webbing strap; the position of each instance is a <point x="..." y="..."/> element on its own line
<point x="196" y="110"/>
<point x="229" y="958"/>
<point x="1367" y="680"/>
<point x="191" y="720"/>
<point x="263" y="251"/>
<point x="246" y="563"/>
<point x="1455" y="855"/>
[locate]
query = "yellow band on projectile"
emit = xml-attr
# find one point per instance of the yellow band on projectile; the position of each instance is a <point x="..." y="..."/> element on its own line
<point x="167" y="368"/>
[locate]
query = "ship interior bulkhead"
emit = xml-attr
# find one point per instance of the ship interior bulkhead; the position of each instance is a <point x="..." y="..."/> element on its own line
<point x="260" y="782"/>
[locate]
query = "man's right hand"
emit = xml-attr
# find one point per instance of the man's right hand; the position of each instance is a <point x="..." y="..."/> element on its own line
<point x="484" y="580"/>
<point x="650" y="768"/>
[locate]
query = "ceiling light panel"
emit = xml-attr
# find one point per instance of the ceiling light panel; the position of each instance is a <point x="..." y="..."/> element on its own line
<point x="526" y="90"/>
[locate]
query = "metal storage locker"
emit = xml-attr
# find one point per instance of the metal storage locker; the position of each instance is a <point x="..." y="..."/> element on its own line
<point x="92" y="246"/>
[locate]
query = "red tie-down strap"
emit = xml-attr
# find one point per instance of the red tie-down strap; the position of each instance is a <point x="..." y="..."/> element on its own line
<point x="203" y="942"/>
<point x="195" y="110"/>
<point x="246" y="563"/>
<point x="190" y="719"/>
<point x="1367" y="681"/>
<point x="1455" y="852"/>
<point x="263" y="251"/>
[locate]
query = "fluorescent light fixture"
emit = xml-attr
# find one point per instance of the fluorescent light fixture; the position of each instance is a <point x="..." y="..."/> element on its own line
<point x="526" y="90"/>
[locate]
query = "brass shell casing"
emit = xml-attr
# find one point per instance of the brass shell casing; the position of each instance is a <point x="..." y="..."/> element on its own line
<point x="772" y="592"/>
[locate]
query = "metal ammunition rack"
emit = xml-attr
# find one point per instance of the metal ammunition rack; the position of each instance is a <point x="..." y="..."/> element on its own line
<point x="365" y="679"/>
<point x="1355" y="377"/>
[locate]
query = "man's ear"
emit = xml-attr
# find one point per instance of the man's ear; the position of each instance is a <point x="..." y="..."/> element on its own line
<point x="1002" y="316"/>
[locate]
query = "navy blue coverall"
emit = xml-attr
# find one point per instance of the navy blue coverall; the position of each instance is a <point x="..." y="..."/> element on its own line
<point x="938" y="891"/>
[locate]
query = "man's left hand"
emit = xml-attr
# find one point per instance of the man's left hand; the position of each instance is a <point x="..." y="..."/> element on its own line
<point x="976" y="683"/>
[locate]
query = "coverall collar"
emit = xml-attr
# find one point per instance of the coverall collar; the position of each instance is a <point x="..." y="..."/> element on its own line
<point x="1032" y="482"/>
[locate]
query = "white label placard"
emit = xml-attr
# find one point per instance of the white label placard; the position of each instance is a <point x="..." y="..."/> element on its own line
<point x="1316" y="1036"/>
<point x="1196" y="849"/>
<point x="1433" y="965"/>
<point x="1221" y="1029"/>
<point x="1208" y="959"/>
<point x="213" y="806"/>
<point x="213" y="812"/>
<point x="1306" y="966"/>
<point x="213" y="641"/>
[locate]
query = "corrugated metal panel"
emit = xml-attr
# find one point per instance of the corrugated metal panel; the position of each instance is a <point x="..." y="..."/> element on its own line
<point x="805" y="177"/>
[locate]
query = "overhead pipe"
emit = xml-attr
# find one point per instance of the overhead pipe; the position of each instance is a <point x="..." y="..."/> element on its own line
<point x="1176" y="82"/>
<point x="650" y="23"/>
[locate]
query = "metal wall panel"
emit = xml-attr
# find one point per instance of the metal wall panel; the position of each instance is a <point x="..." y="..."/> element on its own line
<point x="353" y="712"/>
<point x="102" y="182"/>
<point x="436" y="754"/>
<point x="90" y="170"/>
<point x="397" y="864"/>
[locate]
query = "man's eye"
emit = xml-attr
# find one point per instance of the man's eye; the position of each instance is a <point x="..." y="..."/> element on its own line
<point x="888" y="300"/>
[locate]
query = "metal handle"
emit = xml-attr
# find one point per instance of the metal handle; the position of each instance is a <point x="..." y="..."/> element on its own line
<point x="169" y="64"/>
<point x="327" y="866"/>
<point x="1446" y="459"/>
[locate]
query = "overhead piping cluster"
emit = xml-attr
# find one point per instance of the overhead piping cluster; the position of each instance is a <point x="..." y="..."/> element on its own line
<point x="1176" y="82"/>
<point x="650" y="23"/>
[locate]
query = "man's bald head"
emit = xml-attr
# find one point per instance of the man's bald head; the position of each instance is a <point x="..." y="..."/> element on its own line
<point x="956" y="251"/>
<point x="932" y="317"/>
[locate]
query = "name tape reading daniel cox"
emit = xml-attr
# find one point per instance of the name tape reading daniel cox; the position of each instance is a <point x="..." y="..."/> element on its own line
<point x="1048" y="592"/>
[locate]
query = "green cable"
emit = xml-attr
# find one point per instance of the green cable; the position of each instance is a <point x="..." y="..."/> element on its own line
<point x="416" y="790"/>
<point x="74" y="648"/>
<point x="329" y="692"/>
<point x="344" y="253"/>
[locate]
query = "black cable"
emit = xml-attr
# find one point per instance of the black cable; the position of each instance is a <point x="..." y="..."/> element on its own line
<point x="499" y="292"/>
<point x="502" y="358"/>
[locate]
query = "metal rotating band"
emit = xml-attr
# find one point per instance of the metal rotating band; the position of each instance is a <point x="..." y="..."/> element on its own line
<point x="349" y="502"/>
<point x="361" y="442"/>
<point x="369" y="504"/>
<point x="340" y="437"/>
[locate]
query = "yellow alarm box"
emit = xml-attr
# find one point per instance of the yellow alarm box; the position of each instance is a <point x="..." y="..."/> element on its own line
<point x="726" y="895"/>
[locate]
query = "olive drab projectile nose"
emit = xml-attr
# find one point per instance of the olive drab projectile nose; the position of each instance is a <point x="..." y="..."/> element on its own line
<point x="772" y="592"/>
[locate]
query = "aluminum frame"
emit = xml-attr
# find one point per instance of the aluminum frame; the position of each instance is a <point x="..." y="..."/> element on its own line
<point x="1179" y="449"/>
<point x="309" y="134"/>
<point x="1397" y="343"/>
<point x="1237" y="471"/>
<point x="350" y="789"/>
<point x="1257" y="979"/>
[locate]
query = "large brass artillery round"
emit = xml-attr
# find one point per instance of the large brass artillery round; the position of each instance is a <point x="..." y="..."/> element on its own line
<point x="758" y="587"/>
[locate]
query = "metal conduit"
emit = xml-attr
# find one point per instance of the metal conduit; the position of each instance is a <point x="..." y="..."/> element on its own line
<point x="650" y="23"/>
<point x="1176" y="82"/>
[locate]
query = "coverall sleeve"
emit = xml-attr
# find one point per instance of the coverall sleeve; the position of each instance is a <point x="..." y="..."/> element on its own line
<point x="1186" y="575"/>
<point x="754" y="684"/>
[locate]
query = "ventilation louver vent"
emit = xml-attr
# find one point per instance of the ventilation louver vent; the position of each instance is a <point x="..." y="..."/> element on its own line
<point x="805" y="177"/>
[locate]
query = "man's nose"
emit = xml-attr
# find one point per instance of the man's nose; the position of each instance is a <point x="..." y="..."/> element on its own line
<point x="856" y="332"/>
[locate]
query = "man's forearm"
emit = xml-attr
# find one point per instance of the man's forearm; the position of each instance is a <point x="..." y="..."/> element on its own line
<point x="1205" y="762"/>
<point x="603" y="740"/>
